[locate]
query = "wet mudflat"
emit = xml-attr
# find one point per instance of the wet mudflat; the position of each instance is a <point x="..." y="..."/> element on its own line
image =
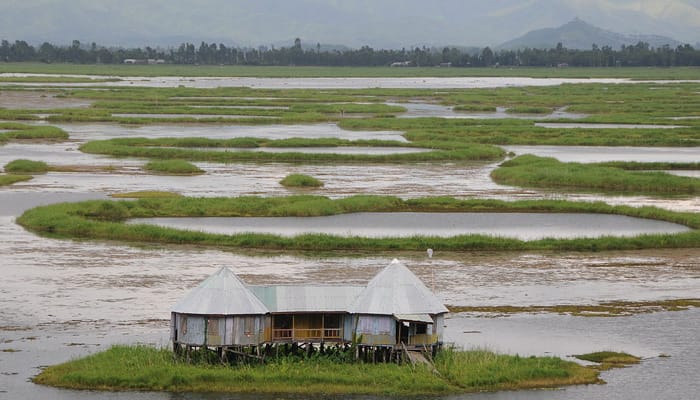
<point x="523" y="226"/>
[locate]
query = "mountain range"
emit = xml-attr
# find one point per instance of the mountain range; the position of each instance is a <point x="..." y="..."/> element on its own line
<point x="353" y="23"/>
<point x="578" y="34"/>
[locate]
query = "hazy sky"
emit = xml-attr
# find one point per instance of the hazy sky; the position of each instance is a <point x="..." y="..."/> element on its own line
<point x="378" y="23"/>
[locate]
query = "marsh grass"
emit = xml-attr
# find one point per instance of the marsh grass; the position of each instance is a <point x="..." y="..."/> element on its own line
<point x="544" y="172"/>
<point x="609" y="358"/>
<point x="104" y="220"/>
<point x="642" y="73"/>
<point x="147" y="368"/>
<point x="166" y="149"/>
<point x="300" y="180"/>
<point x="173" y="167"/>
<point x="18" y="131"/>
<point x="9" y="179"/>
<point x="23" y="166"/>
<point x="528" y="109"/>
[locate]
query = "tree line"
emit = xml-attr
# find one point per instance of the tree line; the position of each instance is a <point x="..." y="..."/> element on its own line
<point x="641" y="54"/>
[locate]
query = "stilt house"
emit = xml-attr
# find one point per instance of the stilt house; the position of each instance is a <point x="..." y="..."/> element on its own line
<point x="394" y="309"/>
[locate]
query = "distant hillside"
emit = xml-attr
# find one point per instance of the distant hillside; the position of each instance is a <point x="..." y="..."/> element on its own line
<point x="578" y="34"/>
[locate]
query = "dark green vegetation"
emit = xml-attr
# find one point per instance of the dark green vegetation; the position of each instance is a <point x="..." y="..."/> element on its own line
<point x="9" y="179"/>
<point x="17" y="131"/>
<point x="173" y="167"/>
<point x="147" y="368"/>
<point x="641" y="54"/>
<point x="605" y="309"/>
<point x="188" y="148"/>
<point x="300" y="180"/>
<point x="22" y="166"/>
<point x="333" y="72"/>
<point x="541" y="172"/>
<point x="104" y="220"/>
<point x="609" y="358"/>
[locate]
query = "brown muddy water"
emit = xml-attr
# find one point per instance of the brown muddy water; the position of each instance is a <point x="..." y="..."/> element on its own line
<point x="523" y="226"/>
<point x="63" y="299"/>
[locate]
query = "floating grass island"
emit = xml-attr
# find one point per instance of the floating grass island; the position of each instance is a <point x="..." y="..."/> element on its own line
<point x="149" y="369"/>
<point x="609" y="359"/>
<point x="9" y="179"/>
<point x="18" y="131"/>
<point x="105" y="220"/>
<point x="173" y="167"/>
<point x="546" y="172"/>
<point x="301" y="180"/>
<point x="22" y="166"/>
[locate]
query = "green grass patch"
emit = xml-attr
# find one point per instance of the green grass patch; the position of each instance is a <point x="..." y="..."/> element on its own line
<point x="23" y="166"/>
<point x="475" y="108"/>
<point x="170" y="148"/>
<point x="300" y="180"/>
<point x="549" y="173"/>
<point x="528" y="110"/>
<point x="173" y="167"/>
<point x="609" y="357"/>
<point x="103" y="220"/>
<point x="332" y="72"/>
<point x="148" y="369"/>
<point x="18" y="131"/>
<point x="145" y="195"/>
<point x="9" y="179"/>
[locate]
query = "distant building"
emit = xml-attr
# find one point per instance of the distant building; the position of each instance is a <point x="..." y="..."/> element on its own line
<point x="395" y="310"/>
<point x="401" y="64"/>
<point x="144" y="61"/>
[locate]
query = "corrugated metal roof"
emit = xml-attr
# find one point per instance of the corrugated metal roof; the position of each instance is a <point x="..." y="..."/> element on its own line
<point x="414" y="318"/>
<point x="396" y="290"/>
<point x="223" y="293"/>
<point x="287" y="298"/>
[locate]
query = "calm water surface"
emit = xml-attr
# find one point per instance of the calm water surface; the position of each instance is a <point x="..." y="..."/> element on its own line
<point x="593" y="154"/>
<point x="524" y="226"/>
<point x="320" y="83"/>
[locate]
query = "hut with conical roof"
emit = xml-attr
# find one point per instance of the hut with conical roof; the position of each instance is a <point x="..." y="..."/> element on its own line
<point x="220" y="312"/>
<point x="394" y="310"/>
<point x="397" y="308"/>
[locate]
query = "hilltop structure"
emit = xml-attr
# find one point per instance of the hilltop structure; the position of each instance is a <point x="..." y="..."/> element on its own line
<point x="394" y="312"/>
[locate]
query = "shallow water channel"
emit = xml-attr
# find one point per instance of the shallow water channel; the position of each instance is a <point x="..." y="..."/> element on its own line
<point x="523" y="226"/>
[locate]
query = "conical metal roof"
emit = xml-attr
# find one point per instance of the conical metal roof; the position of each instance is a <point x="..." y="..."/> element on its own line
<point x="396" y="290"/>
<point x="223" y="293"/>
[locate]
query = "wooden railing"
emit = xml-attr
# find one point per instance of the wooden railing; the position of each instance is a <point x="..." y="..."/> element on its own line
<point x="301" y="334"/>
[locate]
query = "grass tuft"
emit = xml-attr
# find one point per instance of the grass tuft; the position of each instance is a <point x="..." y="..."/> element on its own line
<point x="23" y="166"/>
<point x="300" y="180"/>
<point x="173" y="167"/>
